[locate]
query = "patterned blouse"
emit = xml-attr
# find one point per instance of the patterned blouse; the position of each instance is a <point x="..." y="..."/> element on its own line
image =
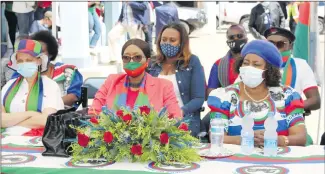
<point x="284" y="101"/>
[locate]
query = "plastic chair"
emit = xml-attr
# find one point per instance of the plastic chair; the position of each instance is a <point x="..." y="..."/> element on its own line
<point x="93" y="84"/>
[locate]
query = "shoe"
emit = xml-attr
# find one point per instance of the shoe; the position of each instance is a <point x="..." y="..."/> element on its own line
<point x="93" y="51"/>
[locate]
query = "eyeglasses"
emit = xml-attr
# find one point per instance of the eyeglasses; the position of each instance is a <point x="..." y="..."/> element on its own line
<point x="279" y="44"/>
<point x="232" y="37"/>
<point x="127" y="59"/>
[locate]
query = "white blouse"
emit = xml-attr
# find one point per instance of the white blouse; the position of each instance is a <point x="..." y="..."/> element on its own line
<point x="172" y="78"/>
<point x="51" y="99"/>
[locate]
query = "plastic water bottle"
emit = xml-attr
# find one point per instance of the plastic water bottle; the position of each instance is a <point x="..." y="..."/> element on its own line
<point x="217" y="133"/>
<point x="247" y="134"/>
<point x="270" y="136"/>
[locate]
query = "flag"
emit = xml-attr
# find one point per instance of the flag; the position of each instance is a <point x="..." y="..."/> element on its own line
<point x="301" y="46"/>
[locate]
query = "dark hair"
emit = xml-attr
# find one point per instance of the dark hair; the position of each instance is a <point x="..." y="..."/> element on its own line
<point x="49" y="40"/>
<point x="184" y="43"/>
<point x="272" y="74"/>
<point x="239" y="26"/>
<point x="143" y="45"/>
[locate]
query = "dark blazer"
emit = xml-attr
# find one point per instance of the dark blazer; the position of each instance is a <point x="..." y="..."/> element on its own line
<point x="138" y="11"/>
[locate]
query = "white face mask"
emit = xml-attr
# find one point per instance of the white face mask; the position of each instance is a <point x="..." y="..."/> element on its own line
<point x="251" y="77"/>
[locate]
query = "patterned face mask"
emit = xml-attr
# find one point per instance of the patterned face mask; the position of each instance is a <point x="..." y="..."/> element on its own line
<point x="169" y="50"/>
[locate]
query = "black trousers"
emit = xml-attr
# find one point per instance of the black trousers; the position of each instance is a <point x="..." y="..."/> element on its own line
<point x="322" y="141"/>
<point x="12" y="24"/>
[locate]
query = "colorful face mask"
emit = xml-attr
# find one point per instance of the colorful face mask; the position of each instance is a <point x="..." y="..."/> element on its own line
<point x="169" y="50"/>
<point x="27" y="69"/>
<point x="134" y="69"/>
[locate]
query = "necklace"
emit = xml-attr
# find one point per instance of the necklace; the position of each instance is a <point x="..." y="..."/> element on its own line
<point x="256" y="101"/>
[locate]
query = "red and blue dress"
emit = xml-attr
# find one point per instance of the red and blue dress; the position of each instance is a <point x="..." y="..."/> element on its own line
<point x="284" y="101"/>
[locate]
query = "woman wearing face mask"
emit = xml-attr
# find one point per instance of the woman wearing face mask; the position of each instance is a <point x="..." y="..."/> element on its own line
<point x="260" y="93"/>
<point x="135" y="88"/>
<point x="30" y="98"/>
<point x="222" y="73"/>
<point x="177" y="64"/>
<point x="66" y="76"/>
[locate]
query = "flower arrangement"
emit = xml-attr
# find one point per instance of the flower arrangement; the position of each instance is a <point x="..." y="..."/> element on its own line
<point x="140" y="135"/>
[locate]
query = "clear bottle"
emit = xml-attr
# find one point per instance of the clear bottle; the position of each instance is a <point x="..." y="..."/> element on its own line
<point x="247" y="134"/>
<point x="216" y="133"/>
<point x="270" y="136"/>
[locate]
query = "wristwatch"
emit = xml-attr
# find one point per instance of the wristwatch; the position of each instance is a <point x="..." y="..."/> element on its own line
<point x="286" y="140"/>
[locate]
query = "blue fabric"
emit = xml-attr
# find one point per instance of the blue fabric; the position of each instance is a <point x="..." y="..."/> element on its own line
<point x="24" y="21"/>
<point x="165" y="14"/>
<point x="213" y="78"/>
<point x="265" y="50"/>
<point x="138" y="10"/>
<point x="94" y="24"/>
<point x="191" y="84"/>
<point x="36" y="27"/>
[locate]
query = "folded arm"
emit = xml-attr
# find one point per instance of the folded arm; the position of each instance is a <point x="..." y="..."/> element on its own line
<point x="37" y="119"/>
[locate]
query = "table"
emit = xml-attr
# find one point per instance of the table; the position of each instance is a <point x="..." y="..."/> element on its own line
<point x="22" y="155"/>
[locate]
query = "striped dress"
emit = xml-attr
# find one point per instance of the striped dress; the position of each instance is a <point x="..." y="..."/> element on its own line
<point x="284" y="101"/>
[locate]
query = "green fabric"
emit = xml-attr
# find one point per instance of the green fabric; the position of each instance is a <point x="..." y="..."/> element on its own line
<point x="9" y="6"/>
<point x="91" y="9"/>
<point x="301" y="45"/>
<point x="309" y="140"/>
<point x="32" y="170"/>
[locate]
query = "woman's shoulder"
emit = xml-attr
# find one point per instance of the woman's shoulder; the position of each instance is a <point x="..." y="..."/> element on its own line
<point x="226" y="93"/>
<point x="194" y="59"/>
<point x="47" y="81"/>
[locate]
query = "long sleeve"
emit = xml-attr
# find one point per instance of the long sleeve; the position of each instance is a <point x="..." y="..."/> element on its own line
<point x="251" y="24"/>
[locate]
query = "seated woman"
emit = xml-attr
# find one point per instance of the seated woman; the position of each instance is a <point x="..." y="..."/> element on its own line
<point x="259" y="93"/>
<point x="66" y="76"/>
<point x="28" y="99"/>
<point x="135" y="88"/>
<point x="177" y="64"/>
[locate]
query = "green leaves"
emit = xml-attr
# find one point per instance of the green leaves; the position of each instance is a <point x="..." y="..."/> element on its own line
<point x="144" y="130"/>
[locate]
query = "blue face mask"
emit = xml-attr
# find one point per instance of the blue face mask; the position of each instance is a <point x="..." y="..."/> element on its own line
<point x="27" y="69"/>
<point x="169" y="50"/>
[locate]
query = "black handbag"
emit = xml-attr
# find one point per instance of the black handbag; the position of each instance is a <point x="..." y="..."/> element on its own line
<point x="58" y="135"/>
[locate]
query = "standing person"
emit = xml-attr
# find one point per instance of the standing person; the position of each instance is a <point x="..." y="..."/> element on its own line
<point x="43" y="24"/>
<point x="165" y="14"/>
<point x="42" y="8"/>
<point x="94" y="24"/>
<point x="25" y="15"/>
<point x="277" y="15"/>
<point x="131" y="20"/>
<point x="147" y="28"/>
<point x="12" y="21"/>
<point x="295" y="72"/>
<point x="259" y="20"/>
<point x="177" y="64"/>
<point x="293" y="16"/>
<point x="222" y="73"/>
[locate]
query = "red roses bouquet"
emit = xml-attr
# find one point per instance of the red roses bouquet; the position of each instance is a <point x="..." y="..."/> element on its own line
<point x="140" y="135"/>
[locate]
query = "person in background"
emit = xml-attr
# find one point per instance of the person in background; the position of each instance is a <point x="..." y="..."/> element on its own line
<point x="277" y="15"/>
<point x="12" y="21"/>
<point x="259" y="20"/>
<point x="293" y="13"/>
<point x="147" y="28"/>
<point x="94" y="25"/>
<point x="260" y="93"/>
<point x="165" y="14"/>
<point x="25" y="15"/>
<point x="283" y="5"/>
<point x="43" y="24"/>
<point x="222" y="73"/>
<point x="66" y="76"/>
<point x="177" y="64"/>
<point x="42" y="8"/>
<point x="30" y="98"/>
<point x="131" y="20"/>
<point x="136" y="88"/>
<point x="295" y="72"/>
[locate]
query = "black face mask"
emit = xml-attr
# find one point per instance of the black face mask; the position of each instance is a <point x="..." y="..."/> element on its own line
<point x="236" y="45"/>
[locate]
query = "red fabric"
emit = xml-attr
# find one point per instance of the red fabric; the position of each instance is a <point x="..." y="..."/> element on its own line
<point x="312" y="87"/>
<point x="35" y="132"/>
<point x="44" y="4"/>
<point x="98" y="11"/>
<point x="131" y="98"/>
<point x="232" y="75"/>
<point x="304" y="8"/>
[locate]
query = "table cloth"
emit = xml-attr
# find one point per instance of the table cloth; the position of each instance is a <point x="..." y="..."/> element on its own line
<point x="22" y="155"/>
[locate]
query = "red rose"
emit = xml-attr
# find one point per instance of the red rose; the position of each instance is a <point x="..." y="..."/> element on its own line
<point x="170" y="116"/>
<point x="164" y="138"/>
<point x="127" y="118"/>
<point x="183" y="127"/>
<point x="119" y="113"/>
<point x="144" y="110"/>
<point x="108" y="137"/>
<point x="94" y="120"/>
<point x="83" y="140"/>
<point x="136" y="149"/>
